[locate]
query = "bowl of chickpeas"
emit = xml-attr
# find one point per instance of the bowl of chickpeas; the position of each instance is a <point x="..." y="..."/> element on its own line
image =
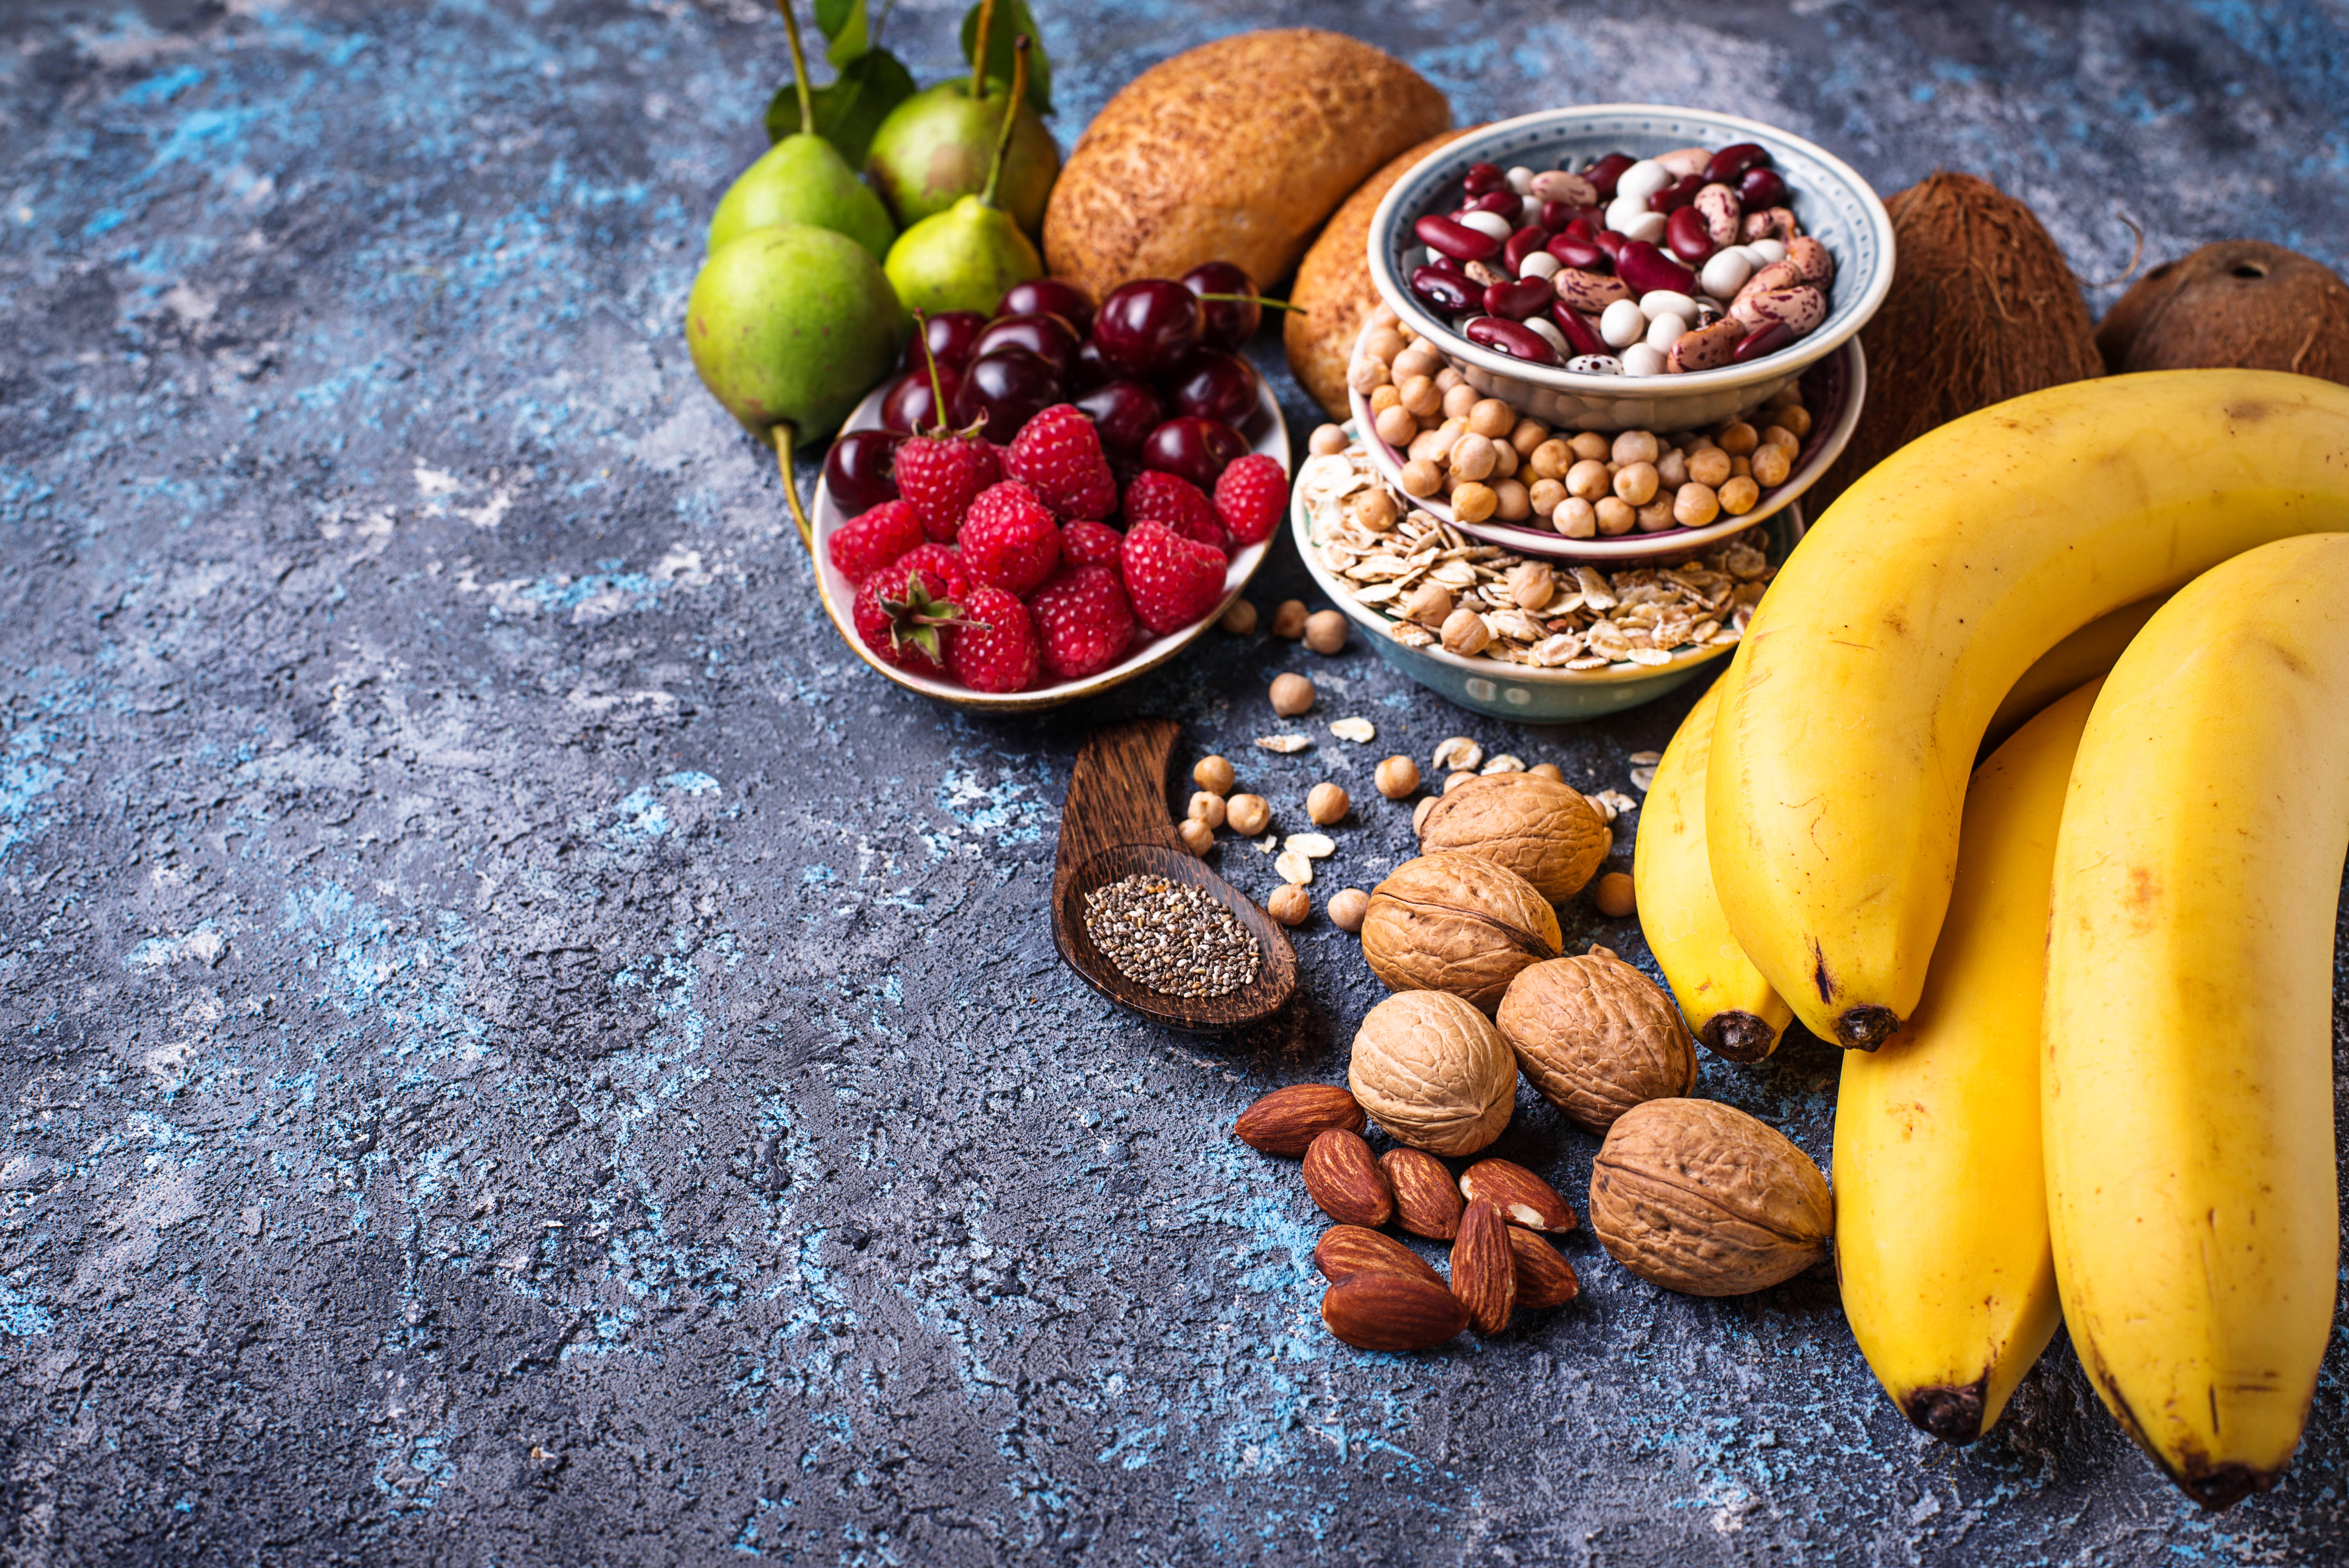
<point x="1616" y="497"/>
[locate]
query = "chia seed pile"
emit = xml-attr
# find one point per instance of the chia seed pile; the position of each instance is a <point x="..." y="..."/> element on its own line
<point x="1175" y="938"/>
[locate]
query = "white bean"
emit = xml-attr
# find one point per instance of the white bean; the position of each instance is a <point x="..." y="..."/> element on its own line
<point x="1491" y="224"/>
<point x="1725" y="273"/>
<point x="1538" y="264"/>
<point x="1648" y="226"/>
<point x="1528" y="210"/>
<point x="1623" y="324"/>
<point x="1769" y="250"/>
<point x="1641" y="180"/>
<point x="1548" y="329"/>
<point x="1623" y="211"/>
<point x="1521" y="179"/>
<point x="1642" y="360"/>
<point x="1666" y="302"/>
<point x="1664" y="331"/>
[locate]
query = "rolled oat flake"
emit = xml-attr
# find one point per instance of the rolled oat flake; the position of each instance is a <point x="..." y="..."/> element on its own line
<point x="1175" y="939"/>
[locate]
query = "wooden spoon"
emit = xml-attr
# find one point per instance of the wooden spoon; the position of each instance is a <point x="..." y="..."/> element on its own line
<point x="1116" y="825"/>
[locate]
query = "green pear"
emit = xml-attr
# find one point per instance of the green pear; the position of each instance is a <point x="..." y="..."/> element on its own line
<point x="803" y="179"/>
<point x="788" y="325"/>
<point x="932" y="150"/>
<point x="962" y="259"/>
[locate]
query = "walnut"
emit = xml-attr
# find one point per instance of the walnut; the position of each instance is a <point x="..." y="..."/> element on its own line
<point x="1597" y="1038"/>
<point x="1543" y="831"/>
<point x="1456" y="923"/>
<point x="1433" y="1072"/>
<point x="1695" y="1196"/>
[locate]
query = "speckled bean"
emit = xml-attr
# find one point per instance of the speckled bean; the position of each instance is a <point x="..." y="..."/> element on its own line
<point x="1706" y="348"/>
<point x="1811" y="259"/>
<point x="1719" y="206"/>
<point x="1801" y="308"/>
<point x="1590" y="292"/>
<point x="1557" y="185"/>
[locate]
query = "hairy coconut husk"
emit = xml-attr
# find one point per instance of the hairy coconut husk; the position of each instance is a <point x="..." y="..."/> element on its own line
<point x="2243" y="302"/>
<point x="1983" y="308"/>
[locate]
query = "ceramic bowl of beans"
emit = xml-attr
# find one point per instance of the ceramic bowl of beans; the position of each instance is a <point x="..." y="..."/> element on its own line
<point x="1526" y="250"/>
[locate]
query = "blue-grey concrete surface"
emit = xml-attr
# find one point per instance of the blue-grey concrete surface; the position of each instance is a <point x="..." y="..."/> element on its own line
<point x="517" y="1048"/>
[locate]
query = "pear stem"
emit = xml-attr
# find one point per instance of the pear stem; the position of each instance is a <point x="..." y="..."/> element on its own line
<point x="780" y="434"/>
<point x="799" y="69"/>
<point x="1010" y="119"/>
<point x="979" y="41"/>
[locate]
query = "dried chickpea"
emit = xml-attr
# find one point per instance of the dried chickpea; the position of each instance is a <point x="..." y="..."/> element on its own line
<point x="1657" y="515"/>
<point x="1347" y="907"/>
<point x="1458" y="399"/>
<point x="1738" y="438"/>
<point x="1491" y="418"/>
<point x="1419" y="394"/>
<point x="1290" y="905"/>
<point x="1197" y="836"/>
<point x="1672" y="469"/>
<point x="1212" y="773"/>
<point x="1739" y="495"/>
<point x="1695" y="505"/>
<point x="1365" y="376"/>
<point x="1384" y="398"/>
<point x="1326" y="803"/>
<point x="1549" y="771"/>
<point x="1778" y="436"/>
<point x="1240" y="619"/>
<point x="1635" y="447"/>
<point x="1528" y="436"/>
<point x="1375" y="509"/>
<point x="1397" y="777"/>
<point x="1247" y="815"/>
<point x="1208" y="807"/>
<point x="1465" y="633"/>
<point x="1433" y="445"/>
<point x="1419" y="813"/>
<point x="1770" y="465"/>
<point x="1708" y="467"/>
<point x="1421" y="478"/>
<point x="1740" y="467"/>
<point x="1552" y="458"/>
<point x="1636" y="482"/>
<point x="1797" y="420"/>
<point x="1448" y="378"/>
<point x="1384" y="343"/>
<point x="1289" y="619"/>
<point x="1615" y="516"/>
<point x="1419" y="359"/>
<point x="1590" y="444"/>
<point x="1588" y="479"/>
<point x="1291" y="694"/>
<point x="1531" y="584"/>
<point x="1328" y="441"/>
<point x="1505" y="458"/>
<point x="1615" y="896"/>
<point x="1325" y="631"/>
<point x="1395" y="427"/>
<point x="1474" y="503"/>
<point x="1511" y="503"/>
<point x="1575" y="518"/>
<point x="1472" y="457"/>
<point x="1542" y="496"/>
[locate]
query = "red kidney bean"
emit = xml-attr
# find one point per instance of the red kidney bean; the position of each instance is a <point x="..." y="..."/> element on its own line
<point x="1676" y="195"/>
<point x="1446" y="264"/>
<point x="1732" y="161"/>
<point x="1459" y="241"/>
<point x="1603" y="174"/>
<point x="1766" y="339"/>
<point x="1504" y="202"/>
<point x="1578" y="329"/>
<point x="1523" y="243"/>
<point x="1557" y="216"/>
<point x="1447" y="292"/>
<point x="1483" y="176"/>
<point x="1647" y="268"/>
<point x="1587" y="227"/>
<point x="1610" y="243"/>
<point x="1572" y="251"/>
<point x="1686" y="233"/>
<point x="1512" y="338"/>
<point x="1518" y="299"/>
<point x="1761" y="188"/>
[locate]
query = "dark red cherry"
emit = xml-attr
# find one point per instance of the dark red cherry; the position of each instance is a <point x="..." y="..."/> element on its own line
<point x="908" y="406"/>
<point x="1007" y="388"/>
<point x="949" y="335"/>
<point x="1050" y="296"/>
<point x="1088" y="371"/>
<point x="1193" y="449"/>
<point x="857" y="470"/>
<point x="1048" y="337"/>
<point x="1147" y="328"/>
<point x="1225" y="323"/>
<point x="1124" y="412"/>
<point x="1217" y="386"/>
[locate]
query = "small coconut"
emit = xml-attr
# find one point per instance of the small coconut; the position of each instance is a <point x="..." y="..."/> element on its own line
<point x="1983" y="308"/>
<point x="2241" y="303"/>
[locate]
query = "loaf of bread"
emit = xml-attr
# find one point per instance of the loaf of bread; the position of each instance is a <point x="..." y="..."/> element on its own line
<point x="1333" y="285"/>
<point x="1236" y="151"/>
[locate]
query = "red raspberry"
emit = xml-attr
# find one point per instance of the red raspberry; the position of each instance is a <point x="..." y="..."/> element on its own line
<point x="1059" y="454"/>
<point x="905" y="615"/>
<point x="995" y="647"/>
<point x="872" y="539"/>
<point x="1250" y="497"/>
<point x="938" y="476"/>
<point x="1172" y="581"/>
<point x="1176" y="503"/>
<point x="1008" y="539"/>
<point x="1090" y="543"/>
<point x="1085" y="620"/>
<point x="942" y="565"/>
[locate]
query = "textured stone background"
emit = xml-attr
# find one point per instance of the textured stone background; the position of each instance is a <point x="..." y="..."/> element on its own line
<point x="517" y="1048"/>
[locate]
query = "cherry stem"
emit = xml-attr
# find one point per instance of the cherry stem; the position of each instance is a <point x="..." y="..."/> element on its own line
<point x="780" y="434"/>
<point x="1010" y="119"/>
<point x="930" y="355"/>
<point x="799" y="69"/>
<point x="978" y="48"/>
<point x="1255" y="299"/>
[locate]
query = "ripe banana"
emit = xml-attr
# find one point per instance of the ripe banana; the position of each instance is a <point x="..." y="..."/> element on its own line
<point x="2086" y="655"/>
<point x="1870" y="672"/>
<point x="1727" y="1002"/>
<point x="1941" y="1247"/>
<point x="2186" y="1085"/>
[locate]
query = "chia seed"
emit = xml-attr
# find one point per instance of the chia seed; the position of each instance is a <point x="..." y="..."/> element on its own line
<point x="1172" y="937"/>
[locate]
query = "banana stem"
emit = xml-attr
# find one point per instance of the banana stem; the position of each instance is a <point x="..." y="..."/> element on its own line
<point x="799" y="69"/>
<point x="979" y="41"/>
<point x="1011" y="117"/>
<point x="780" y="434"/>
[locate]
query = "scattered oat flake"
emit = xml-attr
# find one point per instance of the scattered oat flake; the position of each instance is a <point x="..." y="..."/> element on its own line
<point x="1294" y="868"/>
<point x="1504" y="763"/>
<point x="1284" y="743"/>
<point x="1645" y="758"/>
<point x="1312" y="846"/>
<point x="1642" y="777"/>
<point x="1360" y="731"/>
<point x="1614" y="802"/>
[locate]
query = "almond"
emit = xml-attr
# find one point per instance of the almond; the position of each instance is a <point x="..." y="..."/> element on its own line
<point x="1377" y="1311"/>
<point x="1545" y="1277"/>
<point x="1484" y="1272"/>
<point x="1346" y="1182"/>
<point x="1346" y="1251"/>
<point x="1288" y="1120"/>
<point x="1426" y="1200"/>
<point x="1523" y="1198"/>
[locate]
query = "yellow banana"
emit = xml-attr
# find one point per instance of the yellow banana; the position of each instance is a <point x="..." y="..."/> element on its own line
<point x="1727" y="1002"/>
<point x="1941" y="1245"/>
<point x="2188" y="1083"/>
<point x="2086" y="655"/>
<point x="1869" y="673"/>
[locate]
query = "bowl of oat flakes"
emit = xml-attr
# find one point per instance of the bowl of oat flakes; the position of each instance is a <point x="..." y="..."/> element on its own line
<point x="1520" y="636"/>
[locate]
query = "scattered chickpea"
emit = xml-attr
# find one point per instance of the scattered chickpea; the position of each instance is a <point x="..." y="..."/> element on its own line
<point x="1197" y="836"/>
<point x="1328" y="441"/>
<point x="1240" y="619"/>
<point x="1208" y="807"/>
<point x="1290" y="905"/>
<point x="1289" y="619"/>
<point x="1419" y="813"/>
<point x="1397" y="777"/>
<point x="1214" y="775"/>
<point x="1616" y="896"/>
<point x="1549" y="771"/>
<point x="1325" y="631"/>
<point x="1291" y="694"/>
<point x="1326" y="802"/>
<point x="1347" y="907"/>
<point x="1247" y="815"/>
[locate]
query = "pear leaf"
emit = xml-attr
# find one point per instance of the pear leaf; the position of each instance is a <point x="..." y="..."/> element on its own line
<point x="850" y="109"/>
<point x="1012" y="18"/>
<point x="846" y="28"/>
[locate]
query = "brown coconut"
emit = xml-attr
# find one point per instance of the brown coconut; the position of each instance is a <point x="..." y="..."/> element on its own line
<point x="1983" y="308"/>
<point x="2243" y="302"/>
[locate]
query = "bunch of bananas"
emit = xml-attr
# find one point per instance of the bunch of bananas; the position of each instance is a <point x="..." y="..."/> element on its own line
<point x="2089" y="982"/>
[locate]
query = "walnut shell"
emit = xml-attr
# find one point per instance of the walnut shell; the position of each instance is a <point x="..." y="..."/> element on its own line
<point x="1456" y="923"/>
<point x="1695" y="1196"/>
<point x="1542" y="830"/>
<point x="1597" y="1038"/>
<point x="1432" y="1071"/>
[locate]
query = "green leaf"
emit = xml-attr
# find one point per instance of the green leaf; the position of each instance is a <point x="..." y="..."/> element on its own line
<point x="1012" y="18"/>
<point x="849" y="109"/>
<point x="846" y="28"/>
